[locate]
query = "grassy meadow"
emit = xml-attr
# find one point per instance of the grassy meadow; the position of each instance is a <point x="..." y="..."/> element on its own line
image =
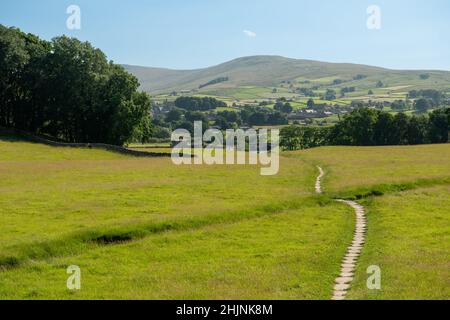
<point x="361" y="171"/>
<point x="409" y="239"/>
<point x="144" y="228"/>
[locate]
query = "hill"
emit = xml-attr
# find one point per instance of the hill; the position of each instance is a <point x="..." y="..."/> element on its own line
<point x="272" y="71"/>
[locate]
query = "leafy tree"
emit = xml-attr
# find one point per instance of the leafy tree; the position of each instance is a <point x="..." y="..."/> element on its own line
<point x="372" y="127"/>
<point x="399" y="105"/>
<point x="357" y="128"/>
<point x="287" y="108"/>
<point x="278" y="105"/>
<point x="400" y="129"/>
<point x="68" y="89"/>
<point x="195" y="116"/>
<point x="276" y="118"/>
<point x="417" y="130"/>
<point x="198" y="104"/>
<point x="161" y="132"/>
<point x="383" y="130"/>
<point x="347" y="90"/>
<point x="330" y="94"/>
<point x="436" y="96"/>
<point x="283" y="107"/>
<point x="310" y="103"/>
<point x="214" y="81"/>
<point x="13" y="58"/>
<point x="174" y="115"/>
<point x="422" y="105"/>
<point x="359" y="77"/>
<point x="222" y="123"/>
<point x="232" y="119"/>
<point x="296" y="137"/>
<point x="439" y="126"/>
<point x="257" y="118"/>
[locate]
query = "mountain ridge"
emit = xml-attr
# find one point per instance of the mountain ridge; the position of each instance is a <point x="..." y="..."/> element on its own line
<point x="270" y="71"/>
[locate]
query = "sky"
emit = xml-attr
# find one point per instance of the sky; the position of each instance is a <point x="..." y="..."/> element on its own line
<point x="190" y="34"/>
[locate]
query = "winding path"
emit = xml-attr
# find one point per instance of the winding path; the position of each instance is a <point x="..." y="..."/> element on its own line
<point x="342" y="283"/>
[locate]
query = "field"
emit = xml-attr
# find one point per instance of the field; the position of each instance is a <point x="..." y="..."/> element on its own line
<point x="264" y="79"/>
<point x="409" y="240"/>
<point x="143" y="228"/>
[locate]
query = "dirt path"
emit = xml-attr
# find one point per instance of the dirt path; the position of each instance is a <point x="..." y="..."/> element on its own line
<point x="342" y="283"/>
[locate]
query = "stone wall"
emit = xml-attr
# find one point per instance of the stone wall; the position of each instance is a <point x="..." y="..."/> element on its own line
<point x="53" y="142"/>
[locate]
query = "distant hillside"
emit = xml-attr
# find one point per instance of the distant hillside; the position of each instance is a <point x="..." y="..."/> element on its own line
<point x="270" y="71"/>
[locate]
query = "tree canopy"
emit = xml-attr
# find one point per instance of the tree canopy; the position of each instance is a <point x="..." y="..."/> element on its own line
<point x="198" y="103"/>
<point x="67" y="89"/>
<point x="370" y="127"/>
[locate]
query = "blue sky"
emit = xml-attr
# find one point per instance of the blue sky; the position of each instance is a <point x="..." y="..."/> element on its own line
<point x="187" y="34"/>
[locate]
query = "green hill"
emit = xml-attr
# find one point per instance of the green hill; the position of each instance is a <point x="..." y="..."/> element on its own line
<point x="274" y="71"/>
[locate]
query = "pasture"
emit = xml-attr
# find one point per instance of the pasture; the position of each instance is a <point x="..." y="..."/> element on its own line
<point x="144" y="228"/>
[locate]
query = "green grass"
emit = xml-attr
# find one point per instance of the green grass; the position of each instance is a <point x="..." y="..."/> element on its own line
<point x="63" y="190"/>
<point x="59" y="205"/>
<point x="409" y="239"/>
<point x="143" y="228"/>
<point x="359" y="170"/>
<point x="250" y="93"/>
<point x="291" y="255"/>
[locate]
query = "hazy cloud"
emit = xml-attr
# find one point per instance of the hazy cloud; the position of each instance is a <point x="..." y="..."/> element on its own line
<point x="249" y="33"/>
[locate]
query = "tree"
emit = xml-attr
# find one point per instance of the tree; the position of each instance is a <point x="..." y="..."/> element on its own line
<point x="357" y="128"/>
<point x="434" y="95"/>
<point x="193" y="116"/>
<point x="198" y="104"/>
<point x="276" y="118"/>
<point x="439" y="126"/>
<point x="232" y="117"/>
<point x="174" y="115"/>
<point x="383" y="130"/>
<point x="310" y="103"/>
<point x="380" y="84"/>
<point x="330" y="94"/>
<point x="417" y="130"/>
<point x="278" y="105"/>
<point x="399" y="105"/>
<point x="359" y="77"/>
<point x="422" y="105"/>
<point x="400" y="129"/>
<point x="161" y="132"/>
<point x="283" y="107"/>
<point x="296" y="137"/>
<point x="222" y="123"/>
<point x="347" y="90"/>
<point x="67" y="89"/>
<point x="372" y="127"/>
<point x="13" y="58"/>
<point x="287" y="108"/>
